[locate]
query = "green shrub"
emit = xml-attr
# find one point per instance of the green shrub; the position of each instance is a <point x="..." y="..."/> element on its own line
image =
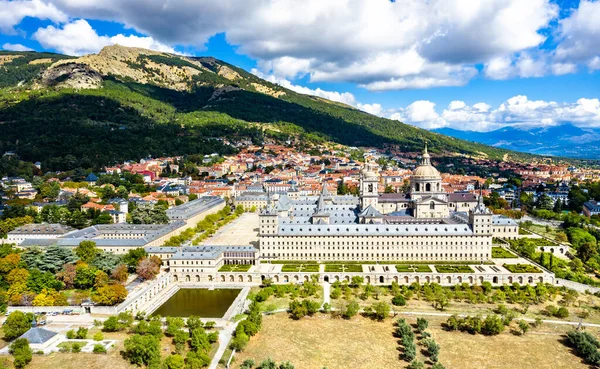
<point x="71" y="334"/>
<point x="98" y="336"/>
<point x="99" y="349"/>
<point x="76" y="347"/>
<point x="82" y="333"/>
<point x="21" y="351"/>
<point x="398" y="300"/>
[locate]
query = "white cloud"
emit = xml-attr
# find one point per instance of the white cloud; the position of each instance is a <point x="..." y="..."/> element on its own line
<point x="580" y="34"/>
<point x="16" y="47"/>
<point x="78" y="38"/>
<point x="343" y="97"/>
<point x="420" y="113"/>
<point x="517" y="111"/>
<point x="13" y="12"/>
<point x="379" y="45"/>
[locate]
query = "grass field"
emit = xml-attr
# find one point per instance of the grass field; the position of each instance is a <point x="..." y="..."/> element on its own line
<point x="502" y="253"/>
<point x="360" y="343"/>
<point x="419" y="268"/>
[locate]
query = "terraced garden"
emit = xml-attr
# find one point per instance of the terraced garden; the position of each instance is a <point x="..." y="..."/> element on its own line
<point x="454" y="269"/>
<point x="522" y="268"/>
<point x="413" y="268"/>
<point x="309" y="268"/>
<point x="235" y="268"/>
<point x="343" y="268"/>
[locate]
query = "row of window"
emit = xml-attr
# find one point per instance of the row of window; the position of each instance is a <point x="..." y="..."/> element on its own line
<point x="367" y="256"/>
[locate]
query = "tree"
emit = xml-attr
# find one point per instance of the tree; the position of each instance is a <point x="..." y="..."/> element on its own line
<point x="142" y="350"/>
<point x="398" y="300"/>
<point x="351" y="309"/>
<point x="56" y="257"/>
<point x="111" y="324"/>
<point x="87" y="251"/>
<point x="199" y="340"/>
<point x="85" y="276"/>
<point x="67" y="275"/>
<point x="586" y="251"/>
<point x="16" y="324"/>
<point x="381" y="310"/>
<point x="133" y="257"/>
<point x="106" y="261"/>
<point x="193" y="322"/>
<point x="110" y="295"/>
<point x="422" y="324"/>
<point x="120" y="274"/>
<point x="21" y="351"/>
<point x="174" y="362"/>
<point x="147" y="269"/>
<point x="416" y="364"/>
<point x="196" y="360"/>
<point x="180" y="338"/>
<point x="174" y="325"/>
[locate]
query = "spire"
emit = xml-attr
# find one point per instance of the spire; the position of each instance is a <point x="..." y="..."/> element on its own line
<point x="426" y="159"/>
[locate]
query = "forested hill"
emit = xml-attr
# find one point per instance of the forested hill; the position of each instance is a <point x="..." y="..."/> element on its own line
<point x="127" y="103"/>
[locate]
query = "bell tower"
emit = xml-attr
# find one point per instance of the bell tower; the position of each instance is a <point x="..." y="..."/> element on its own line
<point x="369" y="196"/>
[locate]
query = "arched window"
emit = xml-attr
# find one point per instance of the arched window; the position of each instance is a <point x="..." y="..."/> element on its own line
<point x="432" y="205"/>
<point x="428" y="187"/>
<point x="418" y="187"/>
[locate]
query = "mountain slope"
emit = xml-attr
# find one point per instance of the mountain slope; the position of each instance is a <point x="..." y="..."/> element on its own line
<point x="563" y="140"/>
<point x="126" y="103"/>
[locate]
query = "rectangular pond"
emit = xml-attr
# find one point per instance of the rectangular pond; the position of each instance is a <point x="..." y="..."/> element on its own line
<point x="199" y="302"/>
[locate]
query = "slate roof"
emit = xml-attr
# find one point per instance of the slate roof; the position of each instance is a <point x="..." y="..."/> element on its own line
<point x="38" y="335"/>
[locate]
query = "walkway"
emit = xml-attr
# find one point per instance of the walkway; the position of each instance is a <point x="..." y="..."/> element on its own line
<point x="326" y="293"/>
<point x="224" y="338"/>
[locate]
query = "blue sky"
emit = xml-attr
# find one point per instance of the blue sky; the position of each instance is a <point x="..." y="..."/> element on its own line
<point x="475" y="65"/>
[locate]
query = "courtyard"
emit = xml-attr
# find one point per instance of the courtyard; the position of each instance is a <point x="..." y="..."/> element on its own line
<point x="242" y="231"/>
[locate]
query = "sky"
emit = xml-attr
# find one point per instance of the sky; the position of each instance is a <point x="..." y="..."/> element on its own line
<point x="463" y="64"/>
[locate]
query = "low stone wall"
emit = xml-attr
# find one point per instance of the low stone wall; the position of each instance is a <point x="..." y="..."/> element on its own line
<point x="579" y="287"/>
<point x="45" y="309"/>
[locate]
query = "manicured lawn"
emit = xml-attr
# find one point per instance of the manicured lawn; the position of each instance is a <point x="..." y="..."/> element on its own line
<point x="419" y="268"/>
<point x="350" y="268"/>
<point x="502" y="253"/>
<point x="454" y="269"/>
<point x="309" y="268"/>
<point x="235" y="268"/>
<point x="522" y="268"/>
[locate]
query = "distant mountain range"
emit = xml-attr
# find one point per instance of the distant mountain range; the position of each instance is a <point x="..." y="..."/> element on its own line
<point x="564" y="140"/>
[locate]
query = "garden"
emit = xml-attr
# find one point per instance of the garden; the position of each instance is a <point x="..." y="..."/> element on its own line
<point x="235" y="268"/>
<point x="413" y="268"/>
<point x="308" y="268"/>
<point x="502" y="253"/>
<point x="454" y="269"/>
<point x="343" y="268"/>
<point x="521" y="268"/>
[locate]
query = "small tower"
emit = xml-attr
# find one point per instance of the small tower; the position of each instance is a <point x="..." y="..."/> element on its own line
<point x="268" y="220"/>
<point x="369" y="180"/>
<point x="480" y="218"/>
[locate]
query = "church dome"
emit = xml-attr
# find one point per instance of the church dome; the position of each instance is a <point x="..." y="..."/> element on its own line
<point x="426" y="170"/>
